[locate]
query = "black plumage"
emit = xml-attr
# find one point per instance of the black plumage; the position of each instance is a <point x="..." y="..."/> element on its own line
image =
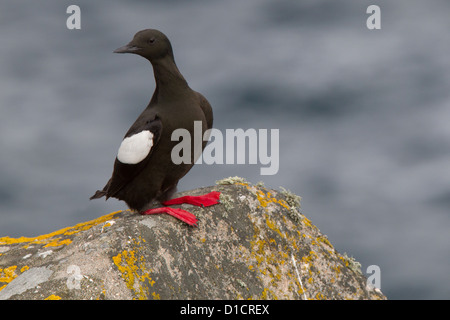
<point x="173" y="105"/>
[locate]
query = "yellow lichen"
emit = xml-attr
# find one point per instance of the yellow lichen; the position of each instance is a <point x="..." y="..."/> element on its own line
<point x="52" y="239"/>
<point x="319" y="296"/>
<point x="324" y="240"/>
<point x="134" y="272"/>
<point x="57" y="242"/>
<point x="272" y="225"/>
<point x="53" y="297"/>
<point x="262" y="198"/>
<point x="284" y="204"/>
<point x="7" y="275"/>
<point x="24" y="268"/>
<point x="308" y="223"/>
<point x="268" y="257"/>
<point x="265" y="199"/>
<point x="156" y="296"/>
<point x="268" y="294"/>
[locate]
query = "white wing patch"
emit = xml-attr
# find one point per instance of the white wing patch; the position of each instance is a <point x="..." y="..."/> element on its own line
<point x="134" y="149"/>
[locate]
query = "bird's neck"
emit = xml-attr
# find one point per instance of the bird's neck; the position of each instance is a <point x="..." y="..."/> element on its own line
<point x="169" y="81"/>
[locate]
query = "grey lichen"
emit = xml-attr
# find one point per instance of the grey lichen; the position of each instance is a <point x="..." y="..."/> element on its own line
<point x="353" y="265"/>
<point x="231" y="180"/>
<point x="227" y="201"/>
<point x="293" y="201"/>
<point x="260" y="184"/>
<point x="295" y="215"/>
<point x="241" y="283"/>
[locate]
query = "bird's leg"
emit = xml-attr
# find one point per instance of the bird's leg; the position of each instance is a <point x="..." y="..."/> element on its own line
<point x="180" y="214"/>
<point x="206" y="200"/>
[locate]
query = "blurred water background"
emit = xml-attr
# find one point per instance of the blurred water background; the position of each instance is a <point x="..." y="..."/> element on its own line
<point x="364" y="115"/>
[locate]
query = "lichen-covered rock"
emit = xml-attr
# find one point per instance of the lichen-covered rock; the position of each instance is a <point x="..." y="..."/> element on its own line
<point x="254" y="245"/>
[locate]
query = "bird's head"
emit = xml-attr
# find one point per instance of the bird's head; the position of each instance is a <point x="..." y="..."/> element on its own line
<point x="150" y="44"/>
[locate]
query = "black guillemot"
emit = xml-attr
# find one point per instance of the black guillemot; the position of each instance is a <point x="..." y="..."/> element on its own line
<point x="143" y="169"/>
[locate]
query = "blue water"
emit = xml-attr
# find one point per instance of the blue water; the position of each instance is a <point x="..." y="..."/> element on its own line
<point x="363" y="115"/>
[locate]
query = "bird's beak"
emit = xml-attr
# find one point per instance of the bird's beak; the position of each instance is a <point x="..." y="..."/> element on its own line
<point x="129" y="48"/>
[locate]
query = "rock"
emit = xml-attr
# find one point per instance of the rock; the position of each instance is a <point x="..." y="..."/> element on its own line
<point x="254" y="245"/>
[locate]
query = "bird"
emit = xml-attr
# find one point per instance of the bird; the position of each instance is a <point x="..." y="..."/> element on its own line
<point x="144" y="171"/>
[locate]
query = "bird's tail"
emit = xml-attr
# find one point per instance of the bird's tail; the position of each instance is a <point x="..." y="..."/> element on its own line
<point x="102" y="193"/>
<point x="98" y="194"/>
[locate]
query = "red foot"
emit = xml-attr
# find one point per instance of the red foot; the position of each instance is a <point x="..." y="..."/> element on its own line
<point x="181" y="214"/>
<point x="201" y="201"/>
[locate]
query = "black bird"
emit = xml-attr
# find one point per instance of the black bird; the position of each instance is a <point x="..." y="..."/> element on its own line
<point x="143" y="169"/>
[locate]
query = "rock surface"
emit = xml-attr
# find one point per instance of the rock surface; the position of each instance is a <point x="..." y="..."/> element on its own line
<point x="254" y="245"/>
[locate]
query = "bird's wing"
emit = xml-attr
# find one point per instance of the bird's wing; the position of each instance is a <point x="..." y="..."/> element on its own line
<point x="207" y="110"/>
<point x="134" y="152"/>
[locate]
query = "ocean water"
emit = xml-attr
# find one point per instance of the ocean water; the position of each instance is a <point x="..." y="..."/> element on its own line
<point x="363" y="115"/>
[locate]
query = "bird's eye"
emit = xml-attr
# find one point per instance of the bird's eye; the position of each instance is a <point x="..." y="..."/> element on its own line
<point x="151" y="40"/>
